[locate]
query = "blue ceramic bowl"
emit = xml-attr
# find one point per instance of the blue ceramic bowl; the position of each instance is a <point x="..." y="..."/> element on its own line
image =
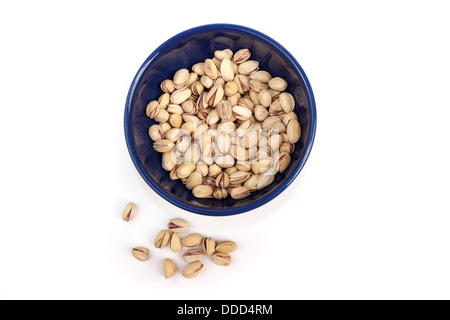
<point x="183" y="51"/>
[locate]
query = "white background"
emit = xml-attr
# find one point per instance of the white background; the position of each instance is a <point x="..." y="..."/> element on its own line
<point x="368" y="217"/>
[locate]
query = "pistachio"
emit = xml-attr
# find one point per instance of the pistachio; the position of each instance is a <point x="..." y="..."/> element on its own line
<point x="269" y="122"/>
<point x="192" y="269"/>
<point x="223" y="54"/>
<point x="248" y="67"/>
<point x="224" y="110"/>
<point x="175" y="109"/>
<point x="169" y="160"/>
<point x="278" y="84"/>
<point x="224" y="161"/>
<point x="239" y="177"/>
<point x="254" y="97"/>
<point x="242" y="113"/>
<point x="197" y="88"/>
<point x="221" y="259"/>
<point x="227" y="69"/>
<point x="156" y="133"/>
<point x="288" y="117"/>
<point x="231" y="88"/>
<point x="226" y="246"/>
<point x="192" y="154"/>
<point x="167" y="86"/>
<point x="192" y="240"/>
<point x="195" y="179"/>
<point x="163" y="145"/>
<point x="220" y="193"/>
<point x="193" y="77"/>
<point x="243" y="83"/>
<point x="210" y="181"/>
<point x="294" y="131"/>
<point x="199" y="68"/>
<point x="240" y="193"/>
<point x="174" y="242"/>
<point x="239" y="152"/>
<point x="258" y="86"/>
<point x="261" y="75"/>
<point x="202" y="191"/>
<point x="175" y="120"/>
<point x="226" y="127"/>
<point x="215" y="95"/>
<point x="173" y="174"/>
<point x="214" y="171"/>
<point x="141" y="253"/>
<point x="264" y="180"/>
<point x="288" y="147"/>
<point x="162" y="239"/>
<point x="169" y="268"/>
<point x="152" y="109"/>
<point x="282" y="162"/>
<point x="222" y="180"/>
<point x="213" y="117"/>
<point x="129" y="212"/>
<point x="185" y="170"/>
<point x="192" y="255"/>
<point x="208" y="245"/>
<point x="163" y="101"/>
<point x="245" y="127"/>
<point x="265" y="98"/>
<point x="241" y="56"/>
<point x="180" y="95"/>
<point x="210" y="69"/>
<point x="180" y="78"/>
<point x="206" y="82"/>
<point x="262" y="165"/>
<point x="165" y="126"/>
<point x="162" y="116"/>
<point x="287" y="102"/>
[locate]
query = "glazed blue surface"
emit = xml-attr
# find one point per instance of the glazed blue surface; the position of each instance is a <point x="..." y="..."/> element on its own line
<point x="183" y="51"/>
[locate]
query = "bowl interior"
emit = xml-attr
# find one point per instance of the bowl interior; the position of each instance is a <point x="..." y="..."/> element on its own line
<point x="183" y="51"/>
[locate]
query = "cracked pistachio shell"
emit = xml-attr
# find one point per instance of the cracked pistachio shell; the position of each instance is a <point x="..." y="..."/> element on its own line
<point x="169" y="268"/>
<point x="241" y="56"/>
<point x="240" y="192"/>
<point x="163" y="145"/>
<point x="223" y="180"/>
<point x="247" y="67"/>
<point x="210" y="69"/>
<point x="226" y="246"/>
<point x="215" y="95"/>
<point x="192" y="255"/>
<point x="178" y="225"/>
<point x="192" y="240"/>
<point x="220" y="194"/>
<point x="141" y="253"/>
<point x="162" y="239"/>
<point x="197" y="88"/>
<point x="203" y="191"/>
<point x="243" y="83"/>
<point x="223" y="54"/>
<point x="224" y="110"/>
<point x="221" y="259"/>
<point x="277" y="84"/>
<point x="242" y="113"/>
<point x="129" y="211"/>
<point x="180" y="95"/>
<point x="167" y="86"/>
<point x="239" y="177"/>
<point x="152" y="109"/>
<point x="208" y="245"/>
<point x="156" y="133"/>
<point x="180" y="78"/>
<point x="283" y="162"/>
<point x="192" y="269"/>
<point x="227" y="69"/>
<point x="294" y="131"/>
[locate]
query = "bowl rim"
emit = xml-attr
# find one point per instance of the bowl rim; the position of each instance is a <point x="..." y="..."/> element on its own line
<point x="232" y="210"/>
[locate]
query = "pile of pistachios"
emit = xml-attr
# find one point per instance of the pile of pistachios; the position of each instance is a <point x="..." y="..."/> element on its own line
<point x="226" y="128"/>
<point x="197" y="246"/>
